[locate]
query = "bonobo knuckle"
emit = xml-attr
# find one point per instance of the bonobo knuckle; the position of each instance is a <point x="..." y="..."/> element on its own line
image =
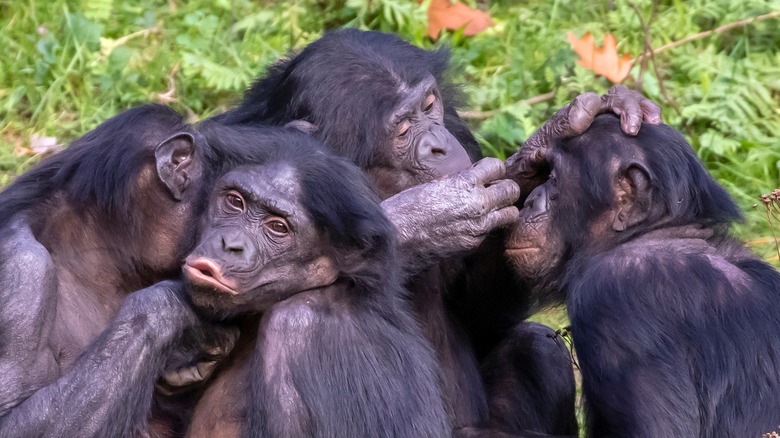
<point x="30" y="260"/>
<point x="585" y="100"/>
<point x="172" y="287"/>
<point x="495" y="166"/>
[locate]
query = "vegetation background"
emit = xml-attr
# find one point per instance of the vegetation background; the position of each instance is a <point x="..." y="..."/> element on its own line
<point x="68" y="65"/>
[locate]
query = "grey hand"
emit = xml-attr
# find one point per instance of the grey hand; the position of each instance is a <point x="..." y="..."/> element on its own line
<point x="197" y="346"/>
<point x="196" y="358"/>
<point x="452" y="216"/>
<point x="574" y="119"/>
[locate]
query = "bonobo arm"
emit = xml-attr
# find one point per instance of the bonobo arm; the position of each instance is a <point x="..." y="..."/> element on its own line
<point x="453" y="215"/>
<point x="108" y="390"/>
<point x="573" y="120"/>
<point x="325" y="365"/>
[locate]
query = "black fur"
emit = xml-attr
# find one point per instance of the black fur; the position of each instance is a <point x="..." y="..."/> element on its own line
<point x="674" y="322"/>
<point x="347" y="84"/>
<point x="77" y="250"/>
<point x="319" y="85"/>
<point x="358" y="363"/>
<point x="94" y="171"/>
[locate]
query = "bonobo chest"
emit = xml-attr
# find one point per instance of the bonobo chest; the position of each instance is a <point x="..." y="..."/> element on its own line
<point x="222" y="410"/>
<point x="82" y="314"/>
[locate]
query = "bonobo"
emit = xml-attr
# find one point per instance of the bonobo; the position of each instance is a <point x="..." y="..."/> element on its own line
<point x="295" y="247"/>
<point x="80" y="233"/>
<point x="676" y="324"/>
<point x="389" y="108"/>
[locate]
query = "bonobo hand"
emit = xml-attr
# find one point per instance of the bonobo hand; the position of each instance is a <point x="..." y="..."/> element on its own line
<point x="196" y="357"/>
<point x="195" y="346"/>
<point x="452" y="215"/>
<point x="526" y="166"/>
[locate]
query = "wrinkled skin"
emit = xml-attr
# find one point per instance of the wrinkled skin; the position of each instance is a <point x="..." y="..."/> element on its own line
<point x="462" y="209"/>
<point x="527" y="166"/>
<point x="454" y="214"/>
<point x="423" y="148"/>
<point x="250" y="259"/>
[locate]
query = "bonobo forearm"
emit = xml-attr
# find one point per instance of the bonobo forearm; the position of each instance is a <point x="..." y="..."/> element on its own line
<point x="451" y="216"/>
<point x="108" y="390"/>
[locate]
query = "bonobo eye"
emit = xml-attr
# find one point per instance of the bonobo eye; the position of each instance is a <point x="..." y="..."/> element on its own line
<point x="235" y="200"/>
<point x="429" y="103"/>
<point x="403" y="128"/>
<point x="277" y="227"/>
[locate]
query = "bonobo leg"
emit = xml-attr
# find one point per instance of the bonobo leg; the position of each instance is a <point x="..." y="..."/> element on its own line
<point x="327" y="366"/>
<point x="108" y="390"/>
<point x="530" y="383"/>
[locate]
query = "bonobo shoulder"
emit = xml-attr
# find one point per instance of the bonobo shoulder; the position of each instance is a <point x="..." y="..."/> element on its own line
<point x="301" y="311"/>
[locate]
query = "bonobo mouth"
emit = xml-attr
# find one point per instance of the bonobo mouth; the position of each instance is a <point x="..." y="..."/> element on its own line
<point x="516" y="251"/>
<point x="206" y="272"/>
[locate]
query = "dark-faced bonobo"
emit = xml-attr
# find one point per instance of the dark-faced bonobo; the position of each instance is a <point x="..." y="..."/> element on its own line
<point x="115" y="213"/>
<point x="388" y="107"/>
<point x="296" y="249"/>
<point x="675" y="323"/>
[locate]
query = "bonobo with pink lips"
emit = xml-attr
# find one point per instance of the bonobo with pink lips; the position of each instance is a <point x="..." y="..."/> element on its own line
<point x="295" y="248"/>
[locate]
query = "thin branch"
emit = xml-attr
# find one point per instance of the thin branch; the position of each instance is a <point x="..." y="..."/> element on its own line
<point x="705" y="34"/>
<point x="649" y="53"/>
<point x="482" y="115"/>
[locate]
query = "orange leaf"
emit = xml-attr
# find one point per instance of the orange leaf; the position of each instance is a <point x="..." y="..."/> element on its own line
<point x="444" y="15"/>
<point x="604" y="61"/>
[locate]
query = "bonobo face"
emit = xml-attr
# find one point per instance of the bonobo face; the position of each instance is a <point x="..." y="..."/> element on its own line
<point x="534" y="245"/>
<point x="259" y="245"/>
<point x="595" y="196"/>
<point x="422" y="147"/>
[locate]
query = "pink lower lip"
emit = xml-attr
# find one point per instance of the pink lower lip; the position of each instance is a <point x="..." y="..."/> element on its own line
<point x="192" y="270"/>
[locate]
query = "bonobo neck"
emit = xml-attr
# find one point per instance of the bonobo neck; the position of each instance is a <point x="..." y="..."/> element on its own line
<point x="692" y="231"/>
<point x="645" y="233"/>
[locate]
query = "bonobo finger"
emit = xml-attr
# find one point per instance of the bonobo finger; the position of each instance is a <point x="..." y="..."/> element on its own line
<point x="501" y="194"/>
<point x="625" y="103"/>
<point x="650" y="111"/>
<point x="581" y="113"/>
<point x="502" y="218"/>
<point x="485" y="171"/>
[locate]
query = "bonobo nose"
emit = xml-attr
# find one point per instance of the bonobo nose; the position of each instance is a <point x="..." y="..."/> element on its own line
<point x="237" y="245"/>
<point x="536" y="202"/>
<point x="441" y="152"/>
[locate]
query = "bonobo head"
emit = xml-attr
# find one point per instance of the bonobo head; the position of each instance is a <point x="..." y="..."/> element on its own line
<point x="372" y="98"/>
<point x="605" y="188"/>
<point x="134" y="185"/>
<point x="293" y="219"/>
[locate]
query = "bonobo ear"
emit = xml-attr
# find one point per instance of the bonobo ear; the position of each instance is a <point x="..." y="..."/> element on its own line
<point x="174" y="158"/>
<point x="633" y="196"/>
<point x="303" y="126"/>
